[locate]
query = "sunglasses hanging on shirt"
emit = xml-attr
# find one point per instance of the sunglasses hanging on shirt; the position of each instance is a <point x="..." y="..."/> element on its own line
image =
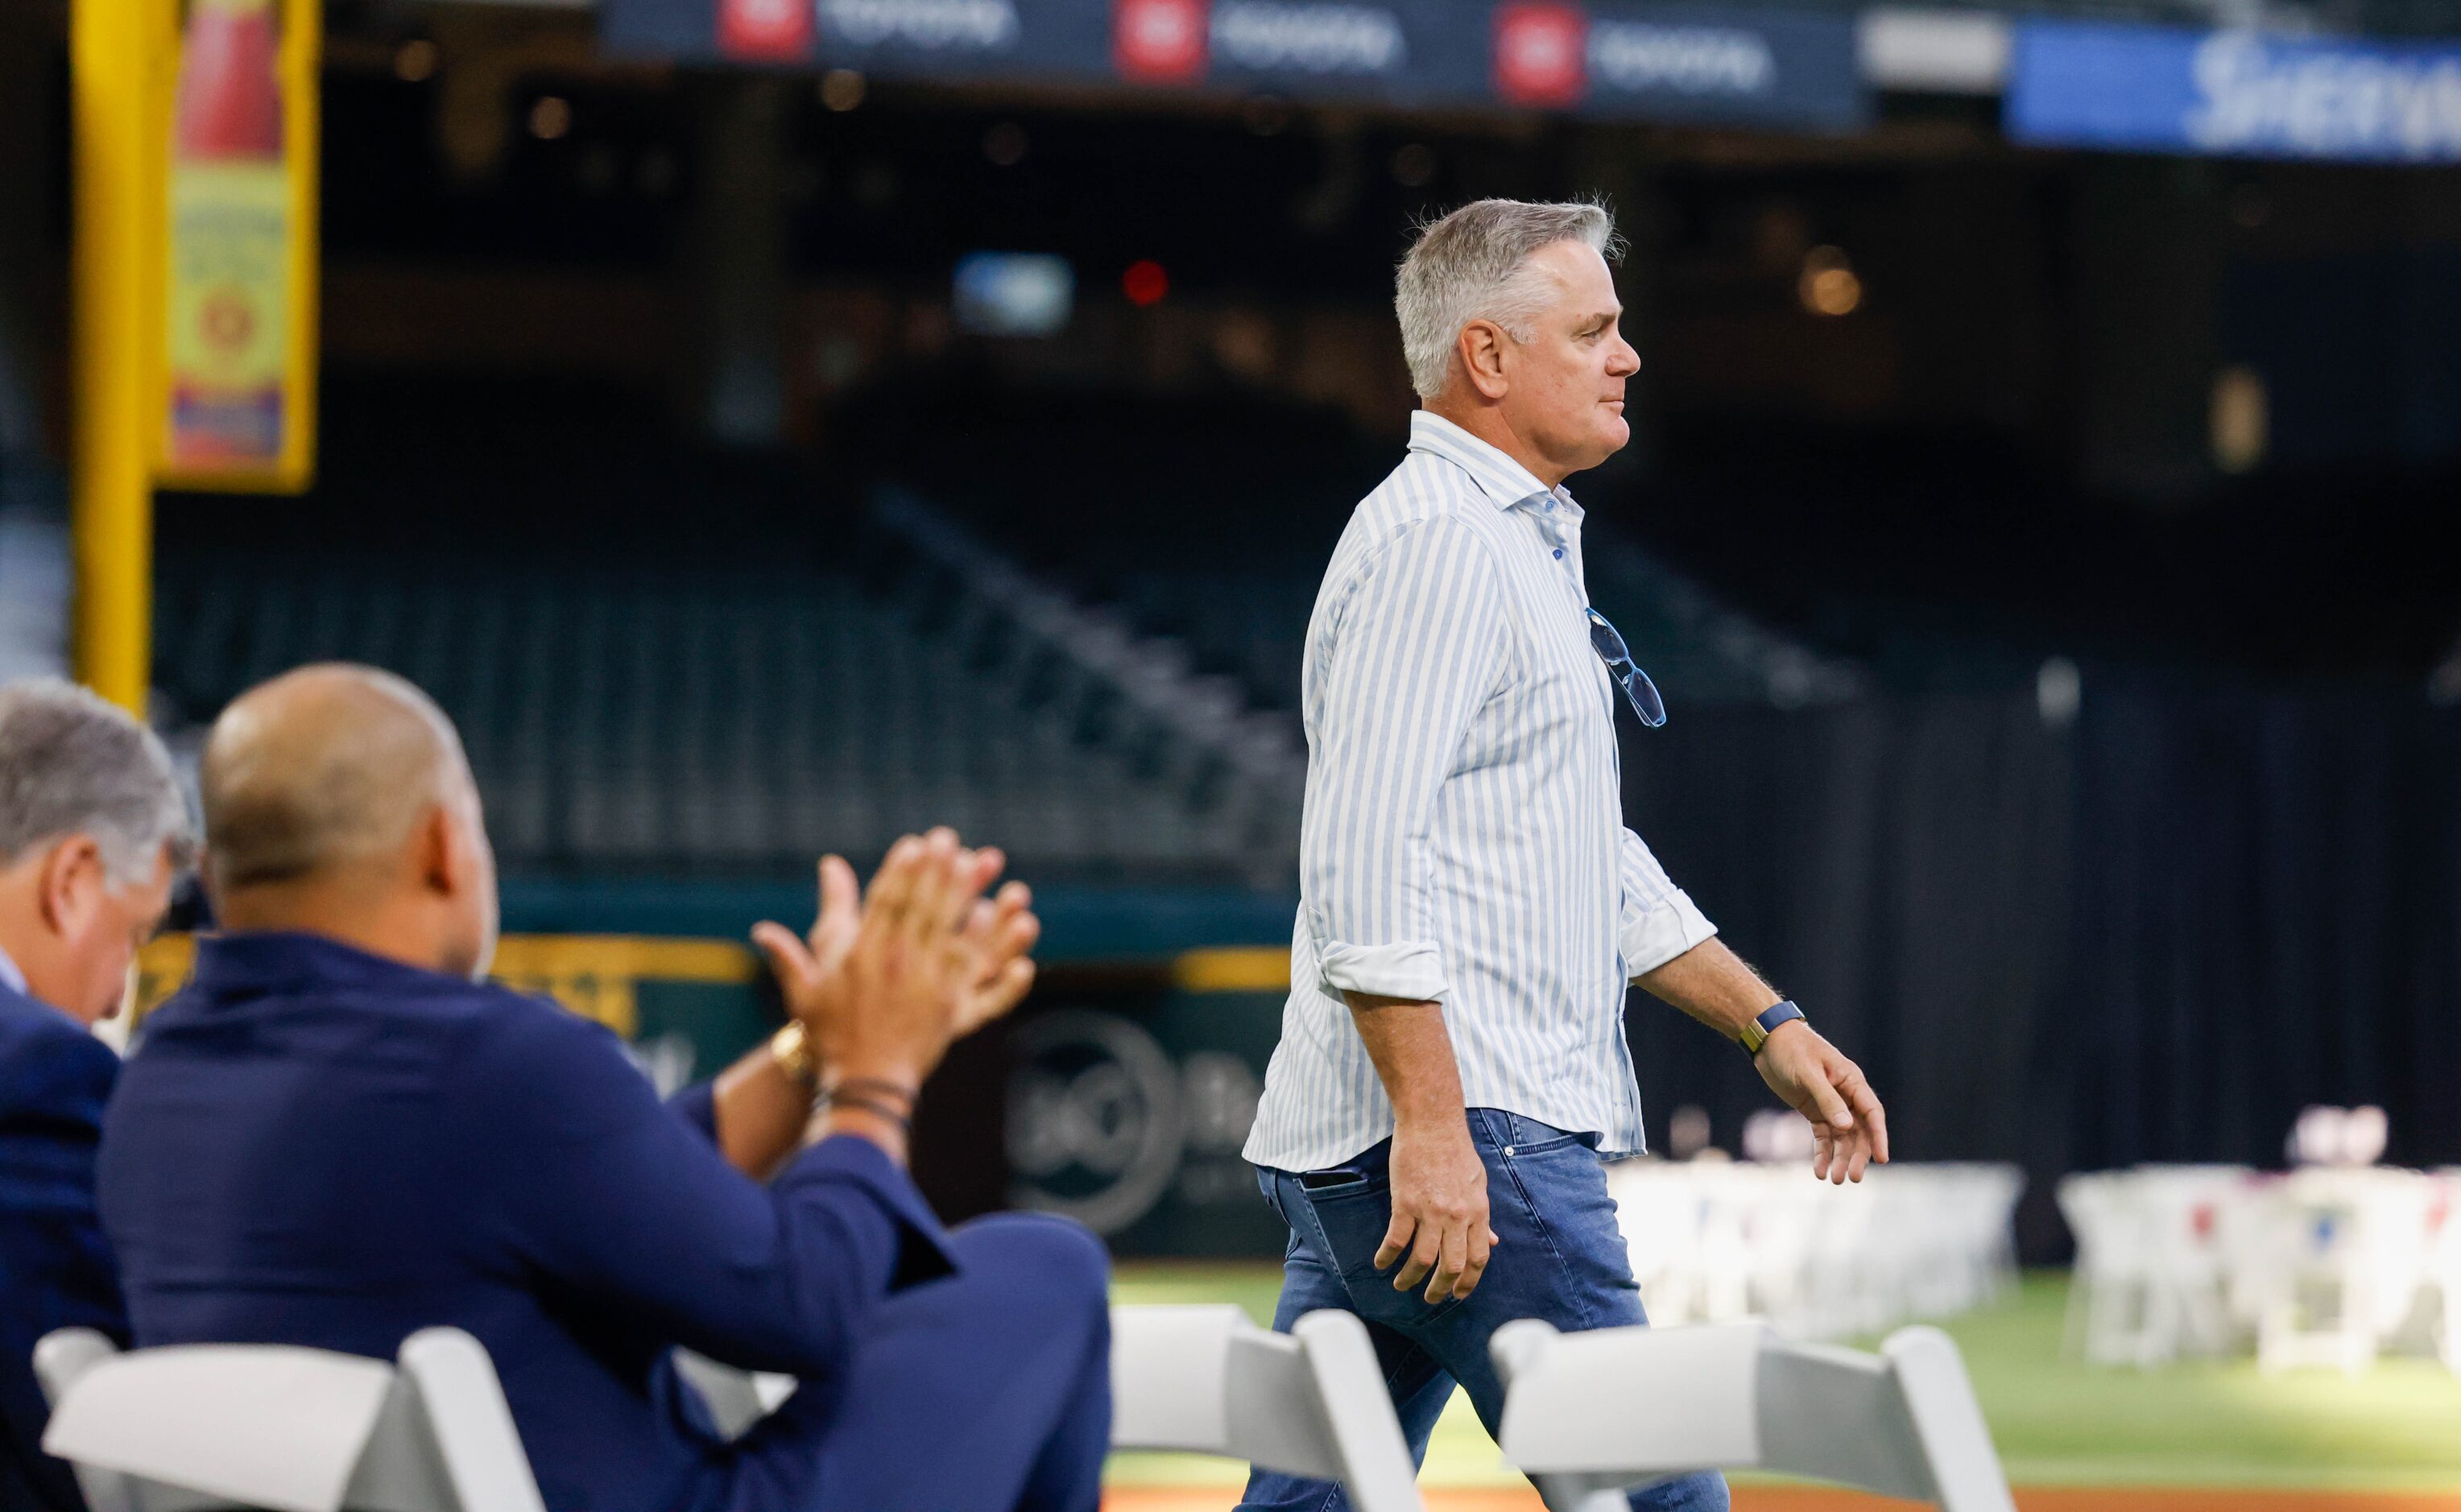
<point x="1637" y="690"/>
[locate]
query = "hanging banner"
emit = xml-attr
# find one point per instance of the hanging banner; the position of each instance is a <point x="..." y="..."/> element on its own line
<point x="2234" y="93"/>
<point x="240" y="302"/>
<point x="1713" y="64"/>
<point x="1703" y="63"/>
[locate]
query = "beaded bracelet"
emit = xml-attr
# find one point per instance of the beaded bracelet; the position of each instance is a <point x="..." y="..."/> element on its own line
<point x="878" y="1109"/>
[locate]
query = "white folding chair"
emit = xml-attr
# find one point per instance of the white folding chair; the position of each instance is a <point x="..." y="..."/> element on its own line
<point x="2348" y="1254"/>
<point x="2119" y="1312"/>
<point x="1588" y="1414"/>
<point x="1312" y="1402"/>
<point x="737" y="1398"/>
<point x="292" y="1430"/>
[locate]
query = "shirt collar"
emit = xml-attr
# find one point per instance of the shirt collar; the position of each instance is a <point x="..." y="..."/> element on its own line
<point x="9" y="976"/>
<point x="249" y="962"/>
<point x="1503" y="482"/>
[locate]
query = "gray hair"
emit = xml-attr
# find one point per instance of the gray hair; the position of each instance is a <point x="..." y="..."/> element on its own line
<point x="72" y="764"/>
<point x="1473" y="264"/>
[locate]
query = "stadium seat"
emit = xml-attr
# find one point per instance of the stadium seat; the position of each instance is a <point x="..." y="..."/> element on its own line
<point x="294" y="1430"/>
<point x="1587" y="1414"/>
<point x="1311" y="1403"/>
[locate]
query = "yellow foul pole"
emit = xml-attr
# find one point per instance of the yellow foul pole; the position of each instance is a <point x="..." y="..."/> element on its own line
<point x="121" y="57"/>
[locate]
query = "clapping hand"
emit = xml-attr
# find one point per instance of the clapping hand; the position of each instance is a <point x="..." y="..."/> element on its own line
<point x="889" y="977"/>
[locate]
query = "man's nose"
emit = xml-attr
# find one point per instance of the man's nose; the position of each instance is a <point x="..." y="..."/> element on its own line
<point x="1623" y="361"/>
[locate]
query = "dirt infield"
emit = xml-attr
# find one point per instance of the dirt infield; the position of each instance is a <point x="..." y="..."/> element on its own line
<point x="1775" y="1499"/>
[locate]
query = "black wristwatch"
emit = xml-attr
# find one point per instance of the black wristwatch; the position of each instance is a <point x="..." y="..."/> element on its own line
<point x="1756" y="1033"/>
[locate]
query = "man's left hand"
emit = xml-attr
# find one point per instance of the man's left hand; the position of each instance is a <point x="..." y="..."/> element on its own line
<point x="1003" y="930"/>
<point x="1849" y="1127"/>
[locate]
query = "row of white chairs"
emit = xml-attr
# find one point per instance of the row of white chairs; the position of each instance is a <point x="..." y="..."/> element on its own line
<point x="2324" y="1265"/>
<point x="1719" y="1242"/>
<point x="1586" y="1415"/>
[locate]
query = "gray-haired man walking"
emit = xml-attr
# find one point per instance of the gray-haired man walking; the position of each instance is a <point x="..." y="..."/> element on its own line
<point x="1453" y="1071"/>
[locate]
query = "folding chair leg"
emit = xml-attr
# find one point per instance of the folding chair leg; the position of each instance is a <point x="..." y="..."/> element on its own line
<point x="1579" y="1493"/>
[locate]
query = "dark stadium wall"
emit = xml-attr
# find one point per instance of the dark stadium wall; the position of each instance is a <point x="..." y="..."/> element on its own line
<point x="2156" y="933"/>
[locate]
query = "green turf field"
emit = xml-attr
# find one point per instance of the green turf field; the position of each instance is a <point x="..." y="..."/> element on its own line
<point x="2057" y="1422"/>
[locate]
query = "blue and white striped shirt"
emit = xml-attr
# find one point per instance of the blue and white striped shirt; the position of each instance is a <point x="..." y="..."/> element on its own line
<point x="1463" y="841"/>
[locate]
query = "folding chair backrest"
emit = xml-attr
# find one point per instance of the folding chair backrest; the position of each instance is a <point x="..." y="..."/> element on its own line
<point x="60" y="1357"/>
<point x="1206" y="1380"/>
<point x="1377" y="1469"/>
<point x="256" y="1425"/>
<point x="460" y="1425"/>
<point x="1954" y="1441"/>
<point x="293" y="1430"/>
<point x="1657" y="1401"/>
<point x="1838" y="1414"/>
<point x="1620" y="1406"/>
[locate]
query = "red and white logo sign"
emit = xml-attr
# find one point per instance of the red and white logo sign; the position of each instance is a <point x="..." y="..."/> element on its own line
<point x="1160" y="41"/>
<point x="1540" y="52"/>
<point x="765" y="31"/>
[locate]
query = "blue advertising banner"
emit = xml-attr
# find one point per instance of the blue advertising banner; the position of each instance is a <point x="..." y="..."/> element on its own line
<point x="1719" y="64"/>
<point x="1707" y="63"/>
<point x="2234" y="93"/>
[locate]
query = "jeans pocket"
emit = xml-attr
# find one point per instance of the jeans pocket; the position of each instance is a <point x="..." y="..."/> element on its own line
<point x="1515" y="1135"/>
<point x="1351" y="1219"/>
<point x="1351" y="1222"/>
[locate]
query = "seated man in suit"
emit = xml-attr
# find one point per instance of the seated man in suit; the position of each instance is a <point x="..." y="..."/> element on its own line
<point x="338" y="1134"/>
<point x="92" y="831"/>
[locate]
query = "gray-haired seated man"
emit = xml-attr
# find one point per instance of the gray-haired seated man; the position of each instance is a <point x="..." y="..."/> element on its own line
<point x="92" y="832"/>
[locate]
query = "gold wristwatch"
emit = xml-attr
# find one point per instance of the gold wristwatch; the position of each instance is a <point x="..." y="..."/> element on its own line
<point x="792" y="1050"/>
<point x="1756" y="1031"/>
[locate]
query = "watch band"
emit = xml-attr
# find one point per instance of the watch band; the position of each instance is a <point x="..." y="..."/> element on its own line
<point x="793" y="1051"/>
<point x="1756" y="1033"/>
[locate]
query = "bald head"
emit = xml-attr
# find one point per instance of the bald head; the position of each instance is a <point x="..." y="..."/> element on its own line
<point x="326" y="767"/>
<point x="338" y="802"/>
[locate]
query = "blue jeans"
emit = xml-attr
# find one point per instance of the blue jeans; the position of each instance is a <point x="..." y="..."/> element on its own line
<point x="1559" y="1257"/>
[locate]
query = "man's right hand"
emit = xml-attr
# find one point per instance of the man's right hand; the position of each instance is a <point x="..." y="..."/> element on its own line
<point x="1439" y="1208"/>
<point x="882" y="989"/>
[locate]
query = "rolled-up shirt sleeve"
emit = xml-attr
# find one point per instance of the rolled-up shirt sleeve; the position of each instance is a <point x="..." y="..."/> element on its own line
<point x="1418" y="644"/>
<point x="1659" y="921"/>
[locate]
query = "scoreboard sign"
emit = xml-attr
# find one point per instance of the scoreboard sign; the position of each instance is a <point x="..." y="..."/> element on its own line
<point x="1743" y="65"/>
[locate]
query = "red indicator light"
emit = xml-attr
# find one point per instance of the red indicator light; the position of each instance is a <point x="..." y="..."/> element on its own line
<point x="1144" y="283"/>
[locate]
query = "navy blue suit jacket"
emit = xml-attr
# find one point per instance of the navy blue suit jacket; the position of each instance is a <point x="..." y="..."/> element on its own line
<point x="313" y="1145"/>
<point x="54" y="1269"/>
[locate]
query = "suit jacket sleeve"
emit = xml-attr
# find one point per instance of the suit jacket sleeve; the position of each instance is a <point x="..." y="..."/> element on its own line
<point x="698" y="1106"/>
<point x="599" y="1185"/>
<point x="55" y="1267"/>
<point x="51" y="1128"/>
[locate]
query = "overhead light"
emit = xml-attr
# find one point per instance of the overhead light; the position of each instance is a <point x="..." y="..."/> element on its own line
<point x="842" y="89"/>
<point x="414" y="61"/>
<point x="1827" y="284"/>
<point x="1144" y="283"/>
<point x="550" y="116"/>
<point x="1013" y="293"/>
<point x="2241" y="419"/>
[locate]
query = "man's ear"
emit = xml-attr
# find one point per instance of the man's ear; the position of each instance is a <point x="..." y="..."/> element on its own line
<point x="438" y="853"/>
<point x="1480" y="346"/>
<point x="71" y="884"/>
